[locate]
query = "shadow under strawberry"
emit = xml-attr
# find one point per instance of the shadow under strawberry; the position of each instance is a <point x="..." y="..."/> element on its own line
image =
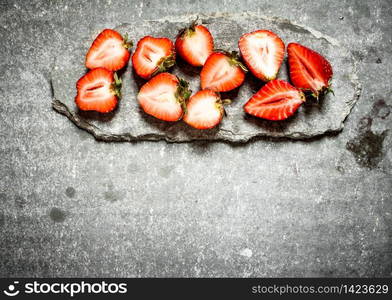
<point x="172" y="129"/>
<point x="312" y="104"/>
<point x="137" y="79"/>
<point x="204" y="133"/>
<point x="97" y="116"/>
<point x="186" y="68"/>
<point x="253" y="83"/>
<point x="200" y="147"/>
<point x="155" y="122"/>
<point x="271" y="126"/>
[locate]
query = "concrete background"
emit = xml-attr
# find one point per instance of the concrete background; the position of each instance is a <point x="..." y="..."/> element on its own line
<point x="71" y="206"/>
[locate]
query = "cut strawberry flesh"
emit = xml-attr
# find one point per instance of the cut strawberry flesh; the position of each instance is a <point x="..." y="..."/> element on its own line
<point x="263" y="53"/>
<point x="195" y="46"/>
<point x="158" y="97"/>
<point x="149" y="55"/>
<point x="259" y="47"/>
<point x="308" y="69"/>
<point x="309" y="73"/>
<point x="95" y="91"/>
<point x="198" y="43"/>
<point x="108" y="51"/>
<point x="204" y="110"/>
<point x="277" y="100"/>
<point x="222" y="70"/>
<point x="218" y="74"/>
<point x="152" y="54"/>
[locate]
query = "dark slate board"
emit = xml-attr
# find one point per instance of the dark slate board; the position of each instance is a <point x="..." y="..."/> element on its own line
<point x="129" y="123"/>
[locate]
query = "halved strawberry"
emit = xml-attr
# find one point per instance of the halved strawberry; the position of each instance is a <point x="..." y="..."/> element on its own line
<point x="308" y="69"/>
<point x="204" y="110"/>
<point x="222" y="72"/>
<point x="164" y="97"/>
<point x="98" y="90"/>
<point x="109" y="50"/>
<point x="152" y="56"/>
<point x="194" y="44"/>
<point x="277" y="100"/>
<point x="263" y="53"/>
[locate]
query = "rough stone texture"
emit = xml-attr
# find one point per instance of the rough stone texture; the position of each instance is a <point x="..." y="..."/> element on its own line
<point x="130" y="123"/>
<point x="72" y="206"/>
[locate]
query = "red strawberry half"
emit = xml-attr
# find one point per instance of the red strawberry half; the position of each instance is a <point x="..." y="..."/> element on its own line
<point x="308" y="69"/>
<point x="152" y="56"/>
<point x="194" y="44"/>
<point x="204" y="110"/>
<point x="98" y="90"/>
<point x="109" y="50"/>
<point x="222" y="72"/>
<point x="263" y="53"/>
<point x="277" y="100"/>
<point x="164" y="97"/>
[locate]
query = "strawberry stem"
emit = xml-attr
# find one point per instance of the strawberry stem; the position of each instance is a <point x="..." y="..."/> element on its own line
<point x="116" y="85"/>
<point x="127" y="44"/>
<point x="234" y="59"/>
<point x="317" y="94"/>
<point x="183" y="93"/>
<point x="329" y="90"/>
<point x="219" y="105"/>
<point x="188" y="31"/>
<point x="164" y="64"/>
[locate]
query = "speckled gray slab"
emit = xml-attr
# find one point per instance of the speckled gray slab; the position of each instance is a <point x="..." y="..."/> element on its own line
<point x="129" y="123"/>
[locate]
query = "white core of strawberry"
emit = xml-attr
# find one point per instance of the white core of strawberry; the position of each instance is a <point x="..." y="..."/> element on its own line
<point x="152" y="54"/>
<point x="276" y="97"/>
<point x="160" y="100"/>
<point x="198" y="42"/>
<point x="162" y="93"/>
<point x="204" y="110"/>
<point x="110" y="48"/>
<point x="317" y="85"/>
<point x="263" y="49"/>
<point x="96" y="91"/>
<point x="223" y="69"/>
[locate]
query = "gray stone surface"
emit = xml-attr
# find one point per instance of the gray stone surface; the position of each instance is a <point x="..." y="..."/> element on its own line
<point x="73" y="206"/>
<point x="130" y="123"/>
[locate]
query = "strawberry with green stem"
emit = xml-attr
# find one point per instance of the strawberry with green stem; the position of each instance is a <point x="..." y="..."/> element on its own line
<point x="98" y="90"/>
<point x="309" y="70"/>
<point x="152" y="56"/>
<point x="205" y="110"/>
<point x="194" y="44"/>
<point x="222" y="72"/>
<point x="164" y="97"/>
<point x="277" y="100"/>
<point x="109" y="50"/>
<point x="263" y="53"/>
